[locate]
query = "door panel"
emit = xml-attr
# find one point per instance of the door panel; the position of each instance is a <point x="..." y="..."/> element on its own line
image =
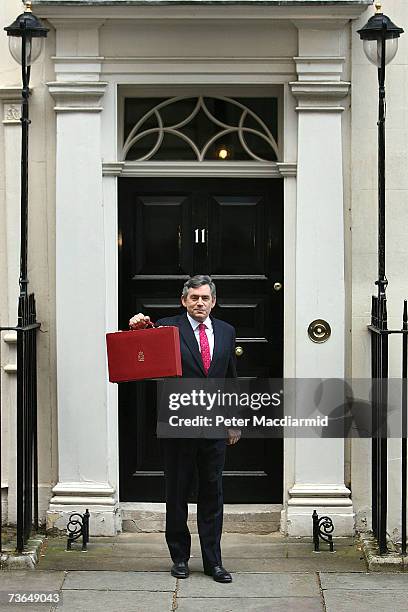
<point x="236" y="237"/>
<point x="159" y="246"/>
<point x="231" y="229"/>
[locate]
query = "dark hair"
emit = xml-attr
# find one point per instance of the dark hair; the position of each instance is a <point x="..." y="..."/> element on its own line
<point x="198" y="281"/>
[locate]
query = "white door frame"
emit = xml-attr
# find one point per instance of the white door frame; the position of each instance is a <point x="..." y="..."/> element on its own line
<point x="86" y="92"/>
<point x="214" y="84"/>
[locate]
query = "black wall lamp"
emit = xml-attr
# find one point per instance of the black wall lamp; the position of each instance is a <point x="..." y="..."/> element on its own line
<point x="380" y="41"/>
<point x="26" y="39"/>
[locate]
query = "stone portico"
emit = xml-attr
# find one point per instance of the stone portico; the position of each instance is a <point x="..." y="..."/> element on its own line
<point x="102" y="49"/>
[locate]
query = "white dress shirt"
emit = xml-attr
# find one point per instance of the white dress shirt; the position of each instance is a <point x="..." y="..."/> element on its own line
<point x="209" y="332"/>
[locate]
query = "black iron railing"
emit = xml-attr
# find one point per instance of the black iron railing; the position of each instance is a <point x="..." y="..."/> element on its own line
<point x="379" y="371"/>
<point x="27" y="451"/>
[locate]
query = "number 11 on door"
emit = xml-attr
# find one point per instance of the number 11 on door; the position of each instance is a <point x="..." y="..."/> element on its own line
<point x="199" y="236"/>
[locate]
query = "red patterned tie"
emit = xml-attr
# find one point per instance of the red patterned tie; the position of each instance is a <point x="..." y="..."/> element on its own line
<point x="205" y="348"/>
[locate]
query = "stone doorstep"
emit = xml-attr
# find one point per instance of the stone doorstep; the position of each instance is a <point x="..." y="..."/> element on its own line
<point x="28" y="559"/>
<point x="238" y="518"/>
<point x="391" y="562"/>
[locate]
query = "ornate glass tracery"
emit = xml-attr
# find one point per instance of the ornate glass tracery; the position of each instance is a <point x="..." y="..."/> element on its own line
<point x="198" y="128"/>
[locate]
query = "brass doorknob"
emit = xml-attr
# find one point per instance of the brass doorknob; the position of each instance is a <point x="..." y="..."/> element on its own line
<point x="277" y="286"/>
<point x="239" y="351"/>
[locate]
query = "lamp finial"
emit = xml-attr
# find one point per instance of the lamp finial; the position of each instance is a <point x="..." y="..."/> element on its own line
<point x="378" y="7"/>
<point x="28" y="6"/>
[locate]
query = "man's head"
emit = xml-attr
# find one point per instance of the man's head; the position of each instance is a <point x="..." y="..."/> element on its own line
<point x="199" y="297"/>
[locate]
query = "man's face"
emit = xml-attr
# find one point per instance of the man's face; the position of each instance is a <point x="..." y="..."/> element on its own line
<point x="199" y="302"/>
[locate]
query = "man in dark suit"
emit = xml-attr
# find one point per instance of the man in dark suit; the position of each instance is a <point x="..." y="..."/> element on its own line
<point x="207" y="348"/>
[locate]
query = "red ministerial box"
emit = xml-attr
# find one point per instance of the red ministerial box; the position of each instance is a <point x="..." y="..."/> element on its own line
<point x="144" y="353"/>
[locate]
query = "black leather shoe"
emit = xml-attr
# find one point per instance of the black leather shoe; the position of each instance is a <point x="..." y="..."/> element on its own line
<point x="180" y="570"/>
<point x="219" y="574"/>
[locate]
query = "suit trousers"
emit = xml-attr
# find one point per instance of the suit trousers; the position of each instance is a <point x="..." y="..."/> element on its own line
<point x="182" y="457"/>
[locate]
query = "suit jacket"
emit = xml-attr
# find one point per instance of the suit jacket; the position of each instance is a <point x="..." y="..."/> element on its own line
<point x="223" y="363"/>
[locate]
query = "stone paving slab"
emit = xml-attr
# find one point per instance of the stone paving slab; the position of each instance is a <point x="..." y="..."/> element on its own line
<point x="120" y="581"/>
<point x="23" y="581"/>
<point x="125" y="601"/>
<point x="254" y="604"/>
<point x="314" y="563"/>
<point x="83" y="562"/>
<point x="31" y="580"/>
<point x="241" y="553"/>
<point x="239" y="548"/>
<point x="251" y="585"/>
<point x="365" y="581"/>
<point x="365" y="601"/>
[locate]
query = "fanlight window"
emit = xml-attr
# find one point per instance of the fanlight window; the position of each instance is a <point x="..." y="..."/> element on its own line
<point x="201" y="129"/>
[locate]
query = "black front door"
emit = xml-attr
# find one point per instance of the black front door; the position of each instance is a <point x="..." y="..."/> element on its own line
<point x="231" y="229"/>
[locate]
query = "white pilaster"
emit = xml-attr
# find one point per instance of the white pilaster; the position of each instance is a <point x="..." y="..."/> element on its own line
<point x="318" y="466"/>
<point x="84" y="437"/>
<point x="11" y="103"/>
<point x="83" y="441"/>
<point x="12" y="146"/>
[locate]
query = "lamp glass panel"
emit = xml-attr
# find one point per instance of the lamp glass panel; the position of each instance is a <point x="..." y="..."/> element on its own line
<point x="372" y="49"/>
<point x="33" y="49"/>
